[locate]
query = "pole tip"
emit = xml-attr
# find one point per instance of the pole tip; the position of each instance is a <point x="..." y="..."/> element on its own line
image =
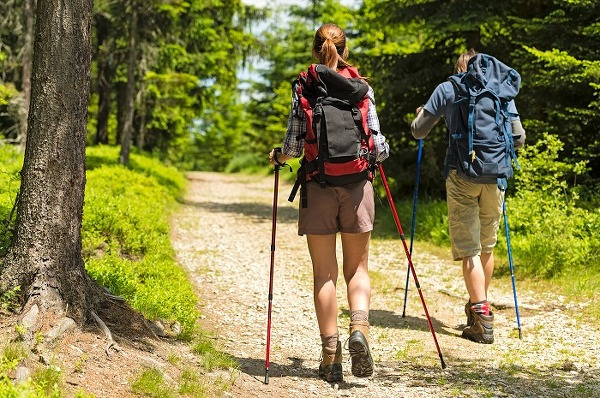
<point x="520" y="334"/>
<point x="266" y="376"/>
<point x="443" y="363"/>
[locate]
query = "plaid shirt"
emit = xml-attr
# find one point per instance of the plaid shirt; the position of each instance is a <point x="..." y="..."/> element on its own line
<point x="296" y="127"/>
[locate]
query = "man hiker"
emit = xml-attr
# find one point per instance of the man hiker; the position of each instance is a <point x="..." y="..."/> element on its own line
<point x="477" y="104"/>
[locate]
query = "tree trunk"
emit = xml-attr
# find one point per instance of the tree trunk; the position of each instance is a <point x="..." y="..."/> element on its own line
<point x="141" y="100"/>
<point x="121" y="89"/>
<point x="28" y="15"/>
<point x="104" y="80"/>
<point x="130" y="90"/>
<point x="473" y="39"/>
<point x="45" y="257"/>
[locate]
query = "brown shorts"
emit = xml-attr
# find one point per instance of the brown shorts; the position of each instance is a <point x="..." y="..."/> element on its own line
<point x="348" y="208"/>
<point x="473" y="215"/>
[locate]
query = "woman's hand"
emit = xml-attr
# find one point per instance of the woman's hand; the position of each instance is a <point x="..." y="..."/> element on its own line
<point x="280" y="159"/>
<point x="272" y="157"/>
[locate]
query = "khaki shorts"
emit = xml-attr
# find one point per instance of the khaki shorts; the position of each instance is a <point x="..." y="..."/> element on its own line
<point x="474" y="212"/>
<point x="348" y="208"/>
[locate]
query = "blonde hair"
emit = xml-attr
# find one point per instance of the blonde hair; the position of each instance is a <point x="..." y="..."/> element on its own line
<point x="463" y="61"/>
<point x="329" y="46"/>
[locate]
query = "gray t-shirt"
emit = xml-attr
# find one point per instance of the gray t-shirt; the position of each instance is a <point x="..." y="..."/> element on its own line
<point x="443" y="95"/>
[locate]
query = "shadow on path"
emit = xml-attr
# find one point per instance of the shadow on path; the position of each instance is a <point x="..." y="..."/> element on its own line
<point x="256" y="368"/>
<point x="470" y="375"/>
<point x="390" y="319"/>
<point x="257" y="212"/>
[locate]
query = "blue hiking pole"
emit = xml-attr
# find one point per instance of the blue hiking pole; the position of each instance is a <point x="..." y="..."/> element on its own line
<point x="414" y="221"/>
<point x="510" y="262"/>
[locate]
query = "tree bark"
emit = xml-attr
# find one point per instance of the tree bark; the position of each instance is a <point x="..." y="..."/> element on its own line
<point x="45" y="257"/>
<point x="104" y="80"/>
<point x="141" y="100"/>
<point x="28" y="15"/>
<point x="130" y="90"/>
<point x="121" y="88"/>
<point x="473" y="39"/>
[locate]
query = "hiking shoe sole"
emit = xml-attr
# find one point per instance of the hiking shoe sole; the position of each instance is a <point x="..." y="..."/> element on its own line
<point x="331" y="373"/>
<point x="362" y="362"/>
<point x="477" y="337"/>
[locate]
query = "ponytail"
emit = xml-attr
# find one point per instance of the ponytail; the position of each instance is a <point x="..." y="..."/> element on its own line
<point x="328" y="55"/>
<point x="329" y="46"/>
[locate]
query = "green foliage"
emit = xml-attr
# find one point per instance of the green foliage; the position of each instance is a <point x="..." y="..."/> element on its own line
<point x="550" y="233"/>
<point x="126" y="240"/>
<point x="44" y="383"/>
<point x="11" y="161"/>
<point x="151" y="384"/>
<point x="7" y="91"/>
<point x="188" y="54"/>
<point x="192" y="384"/>
<point x="171" y="97"/>
<point x="248" y="163"/>
<point x="408" y="48"/>
<point x="218" y="135"/>
<point x="166" y="176"/>
<point x="431" y="225"/>
<point x="211" y="357"/>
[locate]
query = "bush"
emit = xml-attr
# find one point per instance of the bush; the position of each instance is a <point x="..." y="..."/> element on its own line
<point x="550" y="232"/>
<point x="168" y="177"/>
<point x="125" y="232"/>
<point x="431" y="221"/>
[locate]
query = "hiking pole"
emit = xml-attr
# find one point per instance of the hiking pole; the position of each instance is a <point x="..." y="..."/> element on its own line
<point x="510" y="262"/>
<point x="410" y="264"/>
<point x="273" y="230"/>
<point x="413" y="222"/>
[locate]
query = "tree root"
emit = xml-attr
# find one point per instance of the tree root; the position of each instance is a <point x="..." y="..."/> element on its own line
<point x="111" y="296"/>
<point x="111" y="342"/>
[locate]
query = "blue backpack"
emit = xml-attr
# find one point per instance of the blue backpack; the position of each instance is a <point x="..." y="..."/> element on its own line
<point x="480" y="137"/>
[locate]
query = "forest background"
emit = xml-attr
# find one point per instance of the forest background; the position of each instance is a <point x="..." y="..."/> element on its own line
<point x="166" y="81"/>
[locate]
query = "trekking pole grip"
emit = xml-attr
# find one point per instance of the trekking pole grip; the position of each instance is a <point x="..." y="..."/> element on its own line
<point x="277" y="150"/>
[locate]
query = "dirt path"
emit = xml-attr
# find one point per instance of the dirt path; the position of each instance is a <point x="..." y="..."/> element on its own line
<point x="222" y="237"/>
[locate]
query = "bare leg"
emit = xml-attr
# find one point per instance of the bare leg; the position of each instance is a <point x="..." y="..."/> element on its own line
<point x="474" y="278"/>
<point x="487" y="262"/>
<point x="325" y="273"/>
<point x="356" y="253"/>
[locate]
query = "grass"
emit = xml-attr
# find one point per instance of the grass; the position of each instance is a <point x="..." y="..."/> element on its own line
<point x="151" y="383"/>
<point x="43" y="383"/>
<point x="210" y="356"/>
<point x="412" y="345"/>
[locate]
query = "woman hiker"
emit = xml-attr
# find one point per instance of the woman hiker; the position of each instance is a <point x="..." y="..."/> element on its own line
<point x="336" y="196"/>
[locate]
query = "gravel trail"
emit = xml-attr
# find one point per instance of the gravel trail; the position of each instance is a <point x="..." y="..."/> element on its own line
<point x="222" y="236"/>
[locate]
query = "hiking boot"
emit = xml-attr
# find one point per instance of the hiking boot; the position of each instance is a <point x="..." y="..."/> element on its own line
<point x="330" y="368"/>
<point x="482" y="329"/>
<point x="469" y="314"/>
<point x="362" y="362"/>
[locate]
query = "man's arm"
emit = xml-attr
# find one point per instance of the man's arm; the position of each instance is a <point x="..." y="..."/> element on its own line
<point x="423" y="123"/>
<point x="518" y="133"/>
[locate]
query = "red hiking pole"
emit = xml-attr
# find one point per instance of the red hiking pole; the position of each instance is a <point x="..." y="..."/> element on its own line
<point x="273" y="230"/>
<point x="410" y="264"/>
